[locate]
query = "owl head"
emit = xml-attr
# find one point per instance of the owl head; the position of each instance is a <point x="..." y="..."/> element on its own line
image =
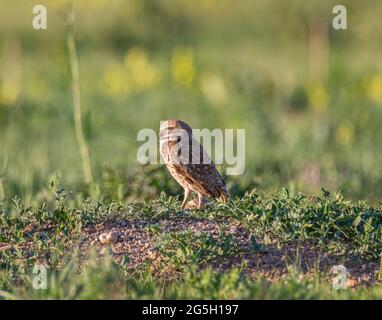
<point x="173" y="127"/>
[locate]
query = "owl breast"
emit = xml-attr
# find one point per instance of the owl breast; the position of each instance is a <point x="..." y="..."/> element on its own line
<point x="180" y="177"/>
<point x="175" y="162"/>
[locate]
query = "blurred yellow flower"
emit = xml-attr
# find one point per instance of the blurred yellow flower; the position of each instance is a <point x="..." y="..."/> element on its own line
<point x="9" y="93"/>
<point x="375" y="88"/>
<point x="142" y="74"/>
<point x="345" y="133"/>
<point x="11" y="71"/>
<point x="182" y="66"/>
<point x="114" y="81"/>
<point x="213" y="88"/>
<point x="318" y="98"/>
<point x="136" y="74"/>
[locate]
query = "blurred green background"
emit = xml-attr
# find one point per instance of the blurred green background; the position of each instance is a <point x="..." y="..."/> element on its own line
<point x="309" y="97"/>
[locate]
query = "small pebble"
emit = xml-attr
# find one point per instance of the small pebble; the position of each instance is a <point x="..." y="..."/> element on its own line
<point x="109" y="237"/>
<point x="152" y="255"/>
<point x="102" y="238"/>
<point x="112" y="237"/>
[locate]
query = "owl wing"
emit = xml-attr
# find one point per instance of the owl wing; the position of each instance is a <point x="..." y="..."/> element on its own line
<point x="205" y="178"/>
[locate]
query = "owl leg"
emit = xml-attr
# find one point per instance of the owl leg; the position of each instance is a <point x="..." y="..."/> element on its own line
<point x="187" y="193"/>
<point x="200" y="201"/>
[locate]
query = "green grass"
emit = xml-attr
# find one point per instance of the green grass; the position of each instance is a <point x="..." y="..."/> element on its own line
<point x="339" y="227"/>
<point x="106" y="282"/>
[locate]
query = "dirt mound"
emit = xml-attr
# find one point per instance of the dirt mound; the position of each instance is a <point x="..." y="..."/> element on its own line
<point x="140" y="242"/>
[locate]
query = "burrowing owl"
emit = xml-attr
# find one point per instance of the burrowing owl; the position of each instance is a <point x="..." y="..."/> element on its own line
<point x="189" y="164"/>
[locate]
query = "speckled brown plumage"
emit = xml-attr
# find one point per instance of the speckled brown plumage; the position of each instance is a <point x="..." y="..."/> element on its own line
<point x="202" y="177"/>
